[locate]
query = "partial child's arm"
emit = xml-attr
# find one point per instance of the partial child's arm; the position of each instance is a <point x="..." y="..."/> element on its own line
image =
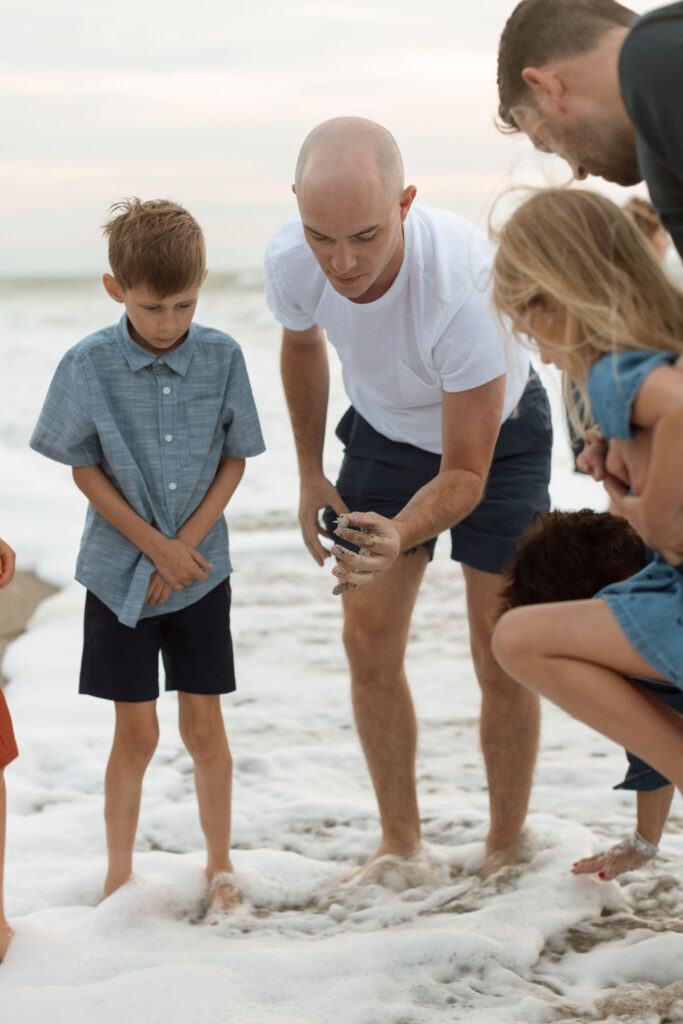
<point x="591" y="458"/>
<point x="174" y="559"/>
<point x="7" y="561"/>
<point x="210" y="508"/>
<point x="657" y="511"/>
<point x="207" y="513"/>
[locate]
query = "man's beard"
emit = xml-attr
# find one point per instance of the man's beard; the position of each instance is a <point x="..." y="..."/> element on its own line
<point x="608" y="153"/>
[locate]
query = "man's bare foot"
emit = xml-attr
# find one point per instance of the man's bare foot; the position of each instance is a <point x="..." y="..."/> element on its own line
<point x="610" y="863"/>
<point x="114" y="881"/>
<point x="224" y="897"/>
<point x="396" y="851"/>
<point x="416" y="870"/>
<point x="519" y="852"/>
<point x="6" y="933"/>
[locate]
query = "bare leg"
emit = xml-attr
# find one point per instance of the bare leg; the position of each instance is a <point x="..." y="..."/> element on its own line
<point x="135" y="738"/>
<point x="576" y="654"/>
<point x="509" y="724"/>
<point x="376" y="624"/>
<point x="5" y="930"/>
<point x="653" y="810"/>
<point x="203" y="733"/>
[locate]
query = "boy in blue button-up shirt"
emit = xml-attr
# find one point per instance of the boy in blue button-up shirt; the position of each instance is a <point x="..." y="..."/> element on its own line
<point x="156" y="416"/>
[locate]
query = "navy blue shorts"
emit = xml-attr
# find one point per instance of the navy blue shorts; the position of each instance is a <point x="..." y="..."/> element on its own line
<point x="122" y="663"/>
<point x="379" y="475"/>
<point x="640" y="775"/>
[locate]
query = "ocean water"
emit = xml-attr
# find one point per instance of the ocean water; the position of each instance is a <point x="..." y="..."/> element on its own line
<point x="429" y="942"/>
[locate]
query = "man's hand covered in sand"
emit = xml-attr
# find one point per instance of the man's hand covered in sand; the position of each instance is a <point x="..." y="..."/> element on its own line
<point x="379" y="542"/>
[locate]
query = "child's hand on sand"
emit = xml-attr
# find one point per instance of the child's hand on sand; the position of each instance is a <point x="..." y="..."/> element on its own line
<point x="7" y="563"/>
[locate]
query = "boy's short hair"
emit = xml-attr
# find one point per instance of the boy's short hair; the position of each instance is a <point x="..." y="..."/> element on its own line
<point x="157" y="243"/>
<point x="570" y="556"/>
<point x="539" y="31"/>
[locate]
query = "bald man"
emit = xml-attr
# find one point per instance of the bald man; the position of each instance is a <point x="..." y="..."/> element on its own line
<point x="591" y="82"/>
<point x="402" y="294"/>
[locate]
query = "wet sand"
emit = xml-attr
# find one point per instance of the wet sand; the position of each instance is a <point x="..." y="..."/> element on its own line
<point x="18" y="602"/>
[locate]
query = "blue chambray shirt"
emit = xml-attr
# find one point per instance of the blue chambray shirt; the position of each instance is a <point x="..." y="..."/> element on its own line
<point x="614" y="382"/>
<point x="157" y="426"/>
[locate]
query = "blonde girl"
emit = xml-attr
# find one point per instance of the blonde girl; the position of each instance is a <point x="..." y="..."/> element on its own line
<point x="575" y="274"/>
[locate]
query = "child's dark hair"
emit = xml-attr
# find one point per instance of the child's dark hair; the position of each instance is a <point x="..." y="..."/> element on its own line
<point x="157" y="243"/>
<point x="569" y="556"/>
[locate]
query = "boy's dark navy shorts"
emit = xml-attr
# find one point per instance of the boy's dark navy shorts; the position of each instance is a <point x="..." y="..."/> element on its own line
<point x="379" y="475"/>
<point x="122" y="663"/>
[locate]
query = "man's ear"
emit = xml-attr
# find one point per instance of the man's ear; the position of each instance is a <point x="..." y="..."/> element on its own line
<point x="406" y="200"/>
<point x="547" y="88"/>
<point x="112" y="288"/>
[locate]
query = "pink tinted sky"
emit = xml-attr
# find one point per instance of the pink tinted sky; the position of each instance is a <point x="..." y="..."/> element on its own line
<point x="207" y="103"/>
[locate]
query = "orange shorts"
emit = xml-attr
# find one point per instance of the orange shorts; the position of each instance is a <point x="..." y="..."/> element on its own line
<point x="8" y="744"/>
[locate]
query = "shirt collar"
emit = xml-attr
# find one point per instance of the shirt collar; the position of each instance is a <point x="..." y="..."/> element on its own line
<point x="138" y="357"/>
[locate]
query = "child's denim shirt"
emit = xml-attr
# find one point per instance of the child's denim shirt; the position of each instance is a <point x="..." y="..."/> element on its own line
<point x="613" y="384"/>
<point x="157" y="426"/>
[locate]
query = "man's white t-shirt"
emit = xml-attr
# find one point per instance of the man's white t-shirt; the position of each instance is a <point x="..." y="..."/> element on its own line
<point x="433" y="331"/>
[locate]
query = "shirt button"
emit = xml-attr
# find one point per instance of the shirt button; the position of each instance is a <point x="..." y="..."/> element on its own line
<point x="172" y="487"/>
<point x="167" y="390"/>
<point x="169" y="437"/>
<point x="161" y="361"/>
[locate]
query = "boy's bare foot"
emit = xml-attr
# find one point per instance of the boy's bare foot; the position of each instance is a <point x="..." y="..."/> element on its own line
<point x="610" y="863"/>
<point x="114" y="881"/>
<point x="224" y="897"/>
<point x="6" y="933"/>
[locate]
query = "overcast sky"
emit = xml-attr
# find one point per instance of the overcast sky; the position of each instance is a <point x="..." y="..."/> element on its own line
<point x="207" y="102"/>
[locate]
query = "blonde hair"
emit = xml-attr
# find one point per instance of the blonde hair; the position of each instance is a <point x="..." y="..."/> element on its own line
<point x="643" y="215"/>
<point x="157" y="243"/>
<point x="574" y="251"/>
